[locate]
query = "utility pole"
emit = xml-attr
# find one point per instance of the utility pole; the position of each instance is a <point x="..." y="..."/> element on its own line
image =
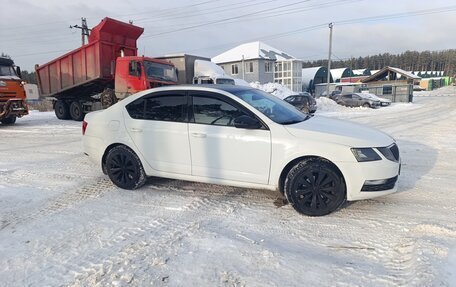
<point x="84" y="29"/>
<point x="329" y="58"/>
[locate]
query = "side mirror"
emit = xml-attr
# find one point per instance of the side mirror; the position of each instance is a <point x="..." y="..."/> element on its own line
<point x="246" y="122"/>
<point x="18" y="72"/>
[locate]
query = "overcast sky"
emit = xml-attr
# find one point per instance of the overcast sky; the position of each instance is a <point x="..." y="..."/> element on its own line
<point x="35" y="32"/>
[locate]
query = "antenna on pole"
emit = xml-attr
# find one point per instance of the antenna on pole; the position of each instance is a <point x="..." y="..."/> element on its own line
<point x="84" y="30"/>
<point x="329" y="58"/>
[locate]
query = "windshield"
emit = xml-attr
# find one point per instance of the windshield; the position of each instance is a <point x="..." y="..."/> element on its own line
<point x="274" y="108"/>
<point x="7" y="71"/>
<point x="160" y="71"/>
<point x="225" y="81"/>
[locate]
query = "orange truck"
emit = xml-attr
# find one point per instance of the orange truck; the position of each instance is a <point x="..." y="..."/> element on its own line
<point x="12" y="92"/>
<point x="101" y="72"/>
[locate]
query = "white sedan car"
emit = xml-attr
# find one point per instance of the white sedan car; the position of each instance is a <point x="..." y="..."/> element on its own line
<point x="240" y="136"/>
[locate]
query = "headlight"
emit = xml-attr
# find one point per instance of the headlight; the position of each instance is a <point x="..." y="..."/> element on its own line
<point x="2" y="84"/>
<point x="365" y="154"/>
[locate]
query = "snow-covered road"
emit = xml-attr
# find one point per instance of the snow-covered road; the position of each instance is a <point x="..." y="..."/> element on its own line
<point x="63" y="223"/>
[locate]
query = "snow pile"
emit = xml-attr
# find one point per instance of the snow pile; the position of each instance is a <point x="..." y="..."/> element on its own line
<point x="327" y="105"/>
<point x="444" y="91"/>
<point x="275" y="89"/>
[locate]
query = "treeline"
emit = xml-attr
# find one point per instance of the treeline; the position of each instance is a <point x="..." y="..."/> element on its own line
<point x="410" y="61"/>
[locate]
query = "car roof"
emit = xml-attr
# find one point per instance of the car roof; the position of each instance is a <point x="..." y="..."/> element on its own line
<point x="227" y="88"/>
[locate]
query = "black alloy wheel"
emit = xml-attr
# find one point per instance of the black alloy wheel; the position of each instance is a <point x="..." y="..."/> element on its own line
<point x="124" y="168"/>
<point x="62" y="111"/>
<point x="315" y="187"/>
<point x="76" y="111"/>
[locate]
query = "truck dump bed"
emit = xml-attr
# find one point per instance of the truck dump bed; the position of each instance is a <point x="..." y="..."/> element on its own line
<point x="89" y="69"/>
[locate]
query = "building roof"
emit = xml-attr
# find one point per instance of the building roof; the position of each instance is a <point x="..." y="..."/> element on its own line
<point x="341" y="73"/>
<point x="362" y="72"/>
<point x="383" y="73"/>
<point x="250" y="51"/>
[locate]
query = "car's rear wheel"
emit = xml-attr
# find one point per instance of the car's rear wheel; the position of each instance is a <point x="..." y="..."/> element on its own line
<point x="124" y="168"/>
<point x="315" y="187"/>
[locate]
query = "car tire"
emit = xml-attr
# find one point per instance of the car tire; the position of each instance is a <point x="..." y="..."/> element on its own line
<point x="62" y="111"/>
<point x="315" y="187"/>
<point x="366" y="105"/>
<point x="9" y="120"/>
<point x="124" y="168"/>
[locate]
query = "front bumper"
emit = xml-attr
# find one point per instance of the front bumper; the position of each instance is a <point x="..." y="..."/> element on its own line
<point x="357" y="175"/>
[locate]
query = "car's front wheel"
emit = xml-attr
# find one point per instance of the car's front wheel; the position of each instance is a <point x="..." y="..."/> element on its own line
<point x="124" y="168"/>
<point x="315" y="187"/>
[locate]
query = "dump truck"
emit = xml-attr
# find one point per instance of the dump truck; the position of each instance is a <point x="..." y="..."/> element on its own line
<point x="12" y="93"/>
<point x="102" y="72"/>
<point x="192" y="69"/>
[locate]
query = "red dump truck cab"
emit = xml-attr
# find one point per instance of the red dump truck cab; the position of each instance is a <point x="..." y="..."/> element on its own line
<point x="101" y="72"/>
<point x="134" y="74"/>
<point x="12" y="93"/>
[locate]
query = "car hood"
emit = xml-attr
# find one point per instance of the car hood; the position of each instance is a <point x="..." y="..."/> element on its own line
<point x="339" y="131"/>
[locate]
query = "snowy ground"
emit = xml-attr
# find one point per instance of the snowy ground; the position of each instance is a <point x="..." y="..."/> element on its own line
<point x="63" y="223"/>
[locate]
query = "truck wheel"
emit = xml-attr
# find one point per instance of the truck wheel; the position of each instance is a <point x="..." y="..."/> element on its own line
<point x="9" y="120"/>
<point x="62" y="112"/>
<point x="76" y="111"/>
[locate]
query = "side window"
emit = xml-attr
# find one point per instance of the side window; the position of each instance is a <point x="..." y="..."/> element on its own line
<point x="134" y="68"/>
<point x="387" y="90"/>
<point x="212" y="111"/>
<point x="136" y="109"/>
<point x="168" y="108"/>
<point x="159" y="108"/>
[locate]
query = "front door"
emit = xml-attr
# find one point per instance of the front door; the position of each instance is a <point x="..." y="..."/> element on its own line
<point x="158" y="127"/>
<point x="218" y="148"/>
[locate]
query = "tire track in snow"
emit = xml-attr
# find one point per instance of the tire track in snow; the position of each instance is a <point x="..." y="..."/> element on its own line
<point x="145" y="248"/>
<point x="63" y="201"/>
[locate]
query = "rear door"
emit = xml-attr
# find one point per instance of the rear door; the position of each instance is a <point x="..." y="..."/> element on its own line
<point x="158" y="126"/>
<point x="218" y="148"/>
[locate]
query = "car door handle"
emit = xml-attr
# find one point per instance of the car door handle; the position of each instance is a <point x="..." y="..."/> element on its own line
<point x="136" y="130"/>
<point x="198" y="135"/>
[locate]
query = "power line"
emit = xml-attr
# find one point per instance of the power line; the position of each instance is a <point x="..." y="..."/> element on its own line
<point x="223" y="20"/>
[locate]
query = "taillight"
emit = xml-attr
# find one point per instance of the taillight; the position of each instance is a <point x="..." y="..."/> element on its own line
<point x="84" y="127"/>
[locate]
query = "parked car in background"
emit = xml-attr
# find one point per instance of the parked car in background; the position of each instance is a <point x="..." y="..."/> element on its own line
<point x="358" y="100"/>
<point x="240" y="136"/>
<point x="334" y="95"/>
<point x="383" y="101"/>
<point x="303" y="102"/>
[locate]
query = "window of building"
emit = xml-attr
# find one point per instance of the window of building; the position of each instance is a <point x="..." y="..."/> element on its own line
<point x="234" y="69"/>
<point x="249" y="67"/>
<point x="387" y="90"/>
<point x="268" y="67"/>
